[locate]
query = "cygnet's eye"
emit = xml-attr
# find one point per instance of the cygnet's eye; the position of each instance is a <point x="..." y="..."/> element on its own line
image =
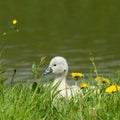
<point x="54" y="65"/>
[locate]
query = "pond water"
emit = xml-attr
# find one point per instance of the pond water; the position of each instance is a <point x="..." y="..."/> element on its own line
<point x="72" y="29"/>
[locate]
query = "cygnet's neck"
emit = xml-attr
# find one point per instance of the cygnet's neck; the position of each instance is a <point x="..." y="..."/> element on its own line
<point x="62" y="79"/>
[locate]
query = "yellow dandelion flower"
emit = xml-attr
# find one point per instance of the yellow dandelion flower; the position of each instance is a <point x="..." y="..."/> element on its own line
<point x="76" y="75"/>
<point x="14" y="22"/>
<point x="112" y="88"/>
<point x="104" y="80"/>
<point x="83" y="85"/>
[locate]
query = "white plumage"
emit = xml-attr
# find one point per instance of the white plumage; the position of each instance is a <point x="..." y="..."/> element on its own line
<point x="58" y="66"/>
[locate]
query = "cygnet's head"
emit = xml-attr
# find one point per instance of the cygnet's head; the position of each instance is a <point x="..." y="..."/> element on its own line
<point x="58" y="66"/>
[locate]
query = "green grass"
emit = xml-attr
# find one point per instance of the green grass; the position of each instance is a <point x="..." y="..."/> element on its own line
<point x="36" y="102"/>
<point x="39" y="103"/>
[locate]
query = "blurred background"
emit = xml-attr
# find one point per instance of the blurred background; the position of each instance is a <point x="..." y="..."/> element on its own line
<point x="68" y="28"/>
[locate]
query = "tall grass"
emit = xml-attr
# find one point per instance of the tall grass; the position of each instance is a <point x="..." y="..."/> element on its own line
<point x="37" y="102"/>
<point x="23" y="103"/>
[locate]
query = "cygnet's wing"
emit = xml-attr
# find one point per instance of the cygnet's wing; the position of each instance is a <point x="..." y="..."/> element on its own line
<point x="76" y="89"/>
<point x="73" y="90"/>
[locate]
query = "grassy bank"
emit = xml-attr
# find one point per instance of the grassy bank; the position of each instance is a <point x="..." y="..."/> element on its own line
<point x="37" y="102"/>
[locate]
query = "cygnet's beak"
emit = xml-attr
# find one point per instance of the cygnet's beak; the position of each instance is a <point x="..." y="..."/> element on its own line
<point x="48" y="70"/>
